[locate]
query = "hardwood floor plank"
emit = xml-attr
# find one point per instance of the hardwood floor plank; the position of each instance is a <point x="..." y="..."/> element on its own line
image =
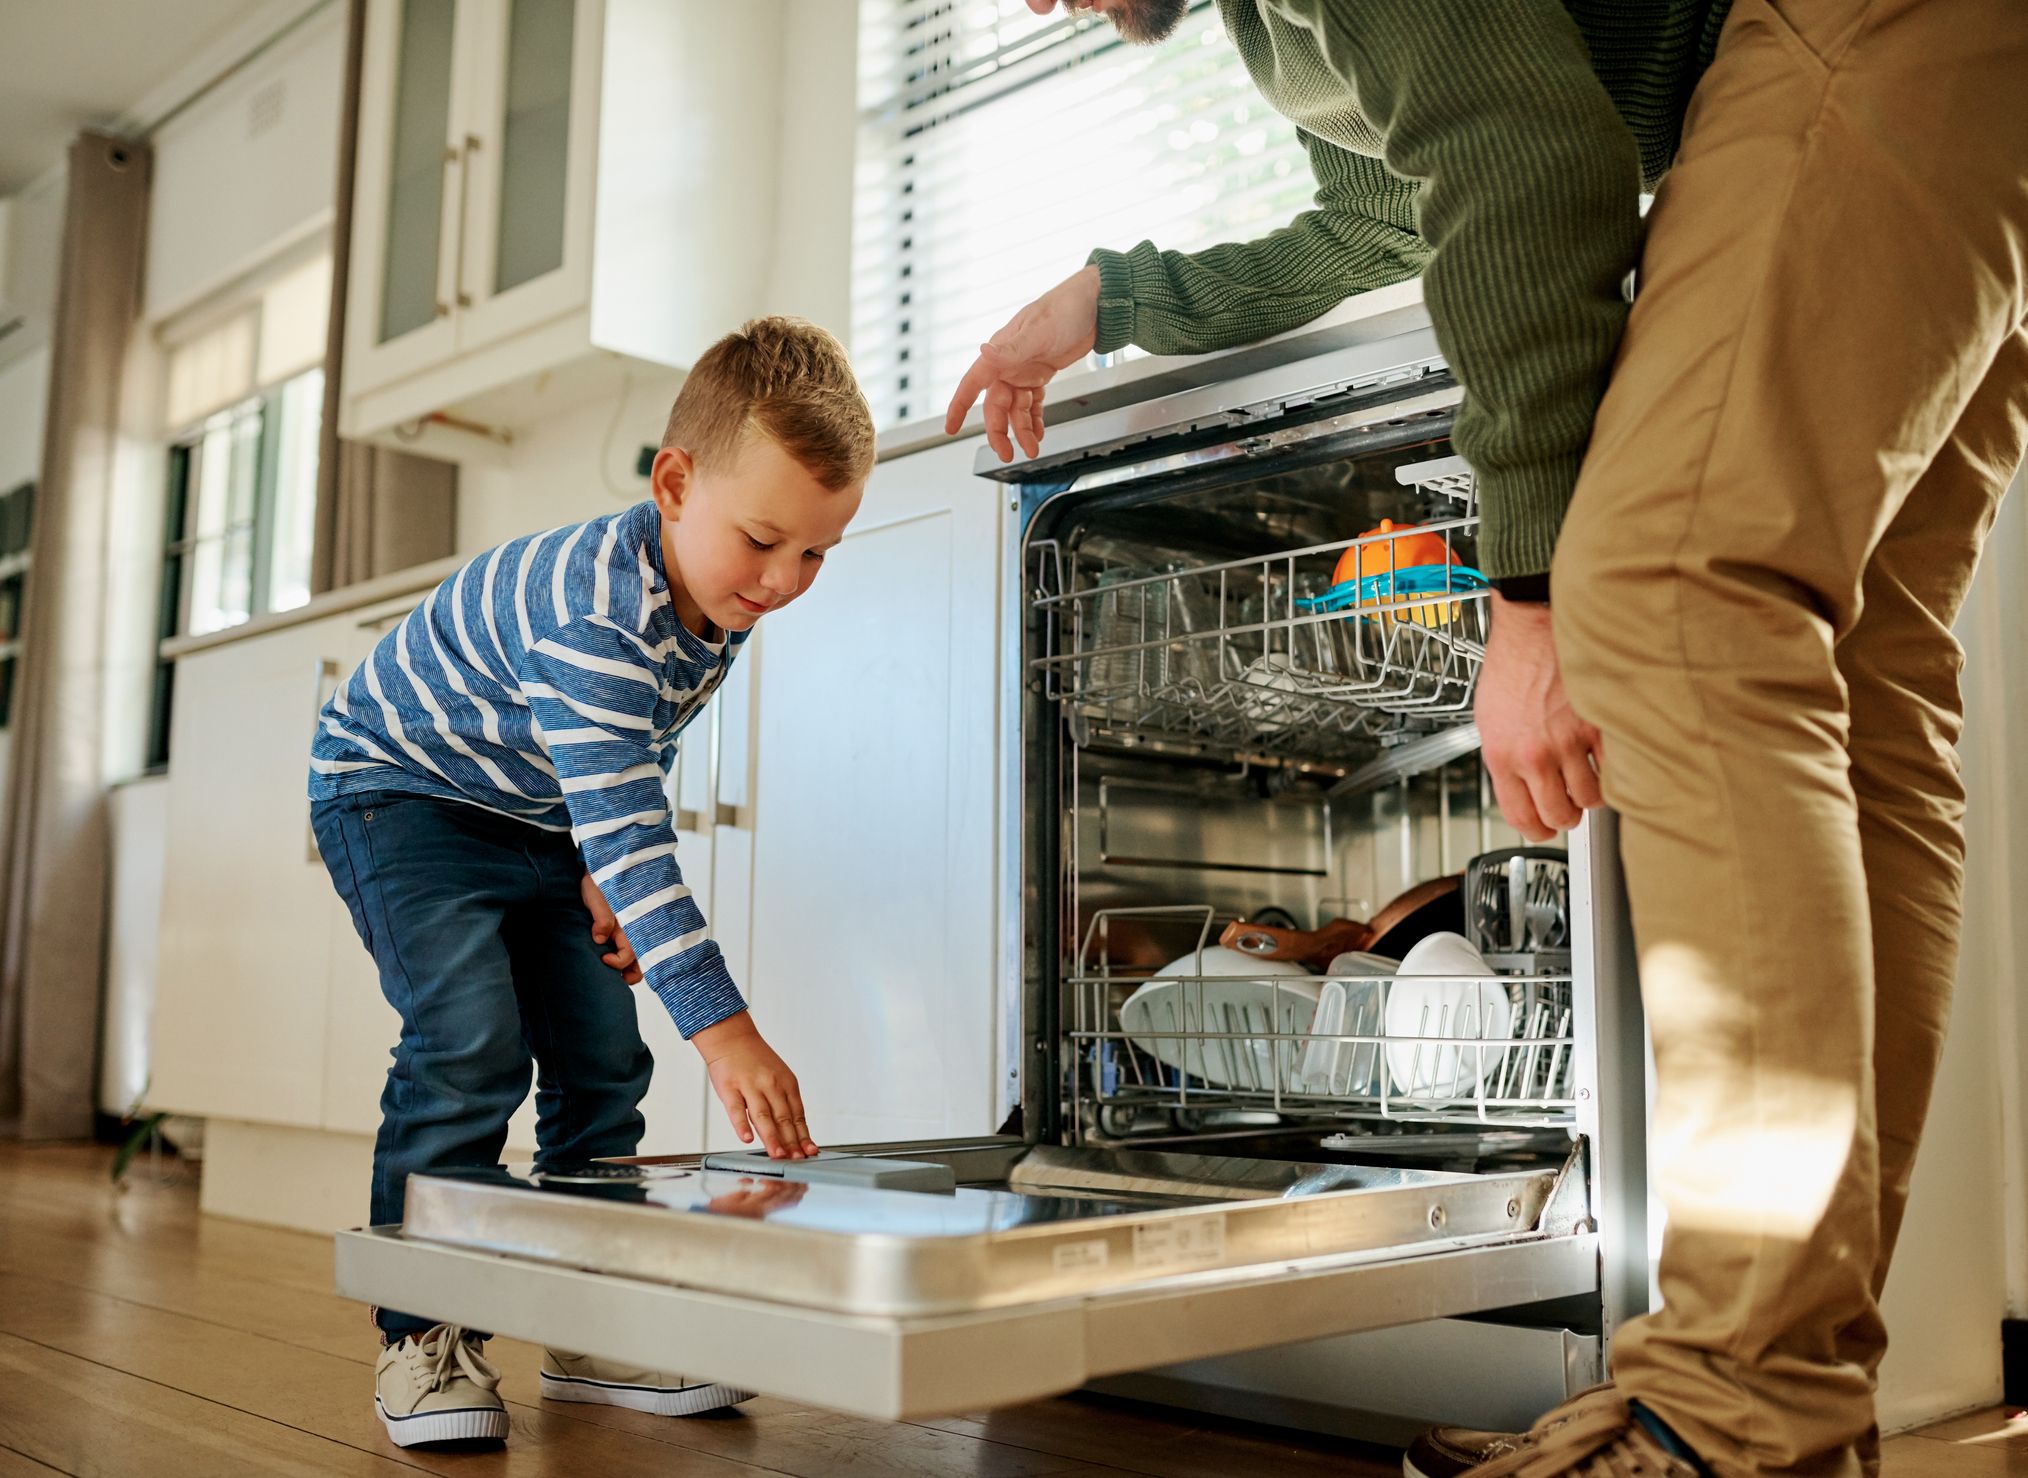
<point x="20" y="1465"/>
<point x="318" y="1394"/>
<point x="1993" y="1424"/>
<point x="1172" y="1444"/>
<point x="1926" y="1457"/>
<point x="74" y="1416"/>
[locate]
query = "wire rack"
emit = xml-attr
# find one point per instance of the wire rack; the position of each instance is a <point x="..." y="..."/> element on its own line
<point x="1474" y="1049"/>
<point x="1273" y="653"/>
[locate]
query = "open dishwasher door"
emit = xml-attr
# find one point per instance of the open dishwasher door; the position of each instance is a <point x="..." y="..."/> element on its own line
<point x="1042" y="1268"/>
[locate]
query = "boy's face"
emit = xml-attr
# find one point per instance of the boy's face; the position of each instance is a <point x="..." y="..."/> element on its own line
<point x="747" y="536"/>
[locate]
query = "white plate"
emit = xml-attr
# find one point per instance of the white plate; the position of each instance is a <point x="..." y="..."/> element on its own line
<point x="1351" y="1008"/>
<point x="1467" y="1009"/>
<point x="1271" y="996"/>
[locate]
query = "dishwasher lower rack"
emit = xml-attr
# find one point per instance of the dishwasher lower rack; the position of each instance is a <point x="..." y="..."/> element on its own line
<point x="1273" y="654"/>
<point x="1142" y="1051"/>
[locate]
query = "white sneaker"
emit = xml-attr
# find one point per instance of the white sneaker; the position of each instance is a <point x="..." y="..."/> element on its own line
<point x="567" y="1377"/>
<point x="436" y="1387"/>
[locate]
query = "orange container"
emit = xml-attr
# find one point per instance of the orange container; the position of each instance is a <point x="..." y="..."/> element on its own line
<point x="1407" y="547"/>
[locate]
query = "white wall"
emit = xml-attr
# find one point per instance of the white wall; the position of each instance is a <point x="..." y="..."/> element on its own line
<point x="24" y="399"/>
<point x="249" y="169"/>
<point x="811" y="273"/>
<point x="1961" y="1250"/>
<point x="133" y="917"/>
<point x="568" y="467"/>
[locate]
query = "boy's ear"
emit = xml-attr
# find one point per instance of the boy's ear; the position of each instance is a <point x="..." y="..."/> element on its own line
<point x="669" y="479"/>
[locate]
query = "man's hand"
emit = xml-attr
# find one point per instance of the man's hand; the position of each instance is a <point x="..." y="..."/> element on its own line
<point x="758" y="1090"/>
<point x="1543" y="758"/>
<point x="1051" y="333"/>
<point x="606" y="930"/>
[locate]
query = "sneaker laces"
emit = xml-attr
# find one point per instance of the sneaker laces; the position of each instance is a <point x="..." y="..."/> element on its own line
<point x="446" y="1345"/>
<point x="1593" y="1435"/>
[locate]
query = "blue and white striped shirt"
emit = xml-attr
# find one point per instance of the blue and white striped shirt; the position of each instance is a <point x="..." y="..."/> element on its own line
<point x="547" y="680"/>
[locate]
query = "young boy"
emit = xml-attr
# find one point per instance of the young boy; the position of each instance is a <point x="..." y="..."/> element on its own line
<point x="487" y="793"/>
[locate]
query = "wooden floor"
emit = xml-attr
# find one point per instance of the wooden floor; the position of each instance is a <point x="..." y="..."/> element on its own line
<point x="142" y="1340"/>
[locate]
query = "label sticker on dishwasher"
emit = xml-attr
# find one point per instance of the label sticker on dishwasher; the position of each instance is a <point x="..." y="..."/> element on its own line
<point x="1081" y="1257"/>
<point x="1186" y="1242"/>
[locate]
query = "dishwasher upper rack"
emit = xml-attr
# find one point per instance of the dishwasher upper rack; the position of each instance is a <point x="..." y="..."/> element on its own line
<point x="1266" y="653"/>
<point x="1247" y="1066"/>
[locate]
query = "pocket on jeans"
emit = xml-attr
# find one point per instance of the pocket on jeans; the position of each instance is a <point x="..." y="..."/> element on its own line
<point x="334" y="847"/>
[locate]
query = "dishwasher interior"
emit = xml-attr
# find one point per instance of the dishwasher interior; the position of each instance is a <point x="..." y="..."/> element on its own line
<point x="1315" y="1062"/>
<point x="1247" y="707"/>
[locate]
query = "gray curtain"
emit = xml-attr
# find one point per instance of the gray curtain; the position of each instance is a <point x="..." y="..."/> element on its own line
<point x="53" y="842"/>
<point x="378" y="510"/>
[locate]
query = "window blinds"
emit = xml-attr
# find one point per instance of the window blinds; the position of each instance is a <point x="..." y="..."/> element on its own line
<point x="997" y="148"/>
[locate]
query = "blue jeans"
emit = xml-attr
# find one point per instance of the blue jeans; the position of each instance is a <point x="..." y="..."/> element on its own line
<point x="484" y="946"/>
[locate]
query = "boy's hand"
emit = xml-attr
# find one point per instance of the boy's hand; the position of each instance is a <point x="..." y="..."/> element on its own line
<point x="1051" y="333"/>
<point x="606" y="929"/>
<point x="756" y="1087"/>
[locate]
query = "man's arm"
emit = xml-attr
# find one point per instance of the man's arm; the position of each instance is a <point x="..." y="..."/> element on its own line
<point x="1360" y="235"/>
<point x="1530" y="208"/>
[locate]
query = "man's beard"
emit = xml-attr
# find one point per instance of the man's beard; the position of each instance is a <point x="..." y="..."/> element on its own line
<point x="1143" y="22"/>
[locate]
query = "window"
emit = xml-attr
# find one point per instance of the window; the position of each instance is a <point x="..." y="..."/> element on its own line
<point x="244" y="406"/>
<point x="17" y="517"/>
<point x="998" y="147"/>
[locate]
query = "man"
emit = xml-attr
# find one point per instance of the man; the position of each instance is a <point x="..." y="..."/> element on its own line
<point x="1761" y="529"/>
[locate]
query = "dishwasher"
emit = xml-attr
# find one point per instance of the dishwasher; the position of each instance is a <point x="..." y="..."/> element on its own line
<point x="1328" y="1096"/>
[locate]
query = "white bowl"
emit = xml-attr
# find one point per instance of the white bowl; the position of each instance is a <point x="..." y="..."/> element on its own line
<point x="1238" y="993"/>
<point x="1455" y="1005"/>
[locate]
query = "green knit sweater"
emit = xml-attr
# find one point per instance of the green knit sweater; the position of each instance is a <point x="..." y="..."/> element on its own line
<point x="1497" y="147"/>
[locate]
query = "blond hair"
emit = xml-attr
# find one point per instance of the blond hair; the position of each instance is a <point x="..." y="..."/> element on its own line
<point x="787" y="379"/>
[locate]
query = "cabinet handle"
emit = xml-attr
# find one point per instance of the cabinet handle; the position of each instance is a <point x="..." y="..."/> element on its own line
<point x="464" y="205"/>
<point x="327" y="672"/>
<point x="451" y="156"/>
<point x="688" y="820"/>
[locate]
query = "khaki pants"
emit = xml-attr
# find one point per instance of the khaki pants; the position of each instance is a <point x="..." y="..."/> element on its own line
<point x="1822" y="392"/>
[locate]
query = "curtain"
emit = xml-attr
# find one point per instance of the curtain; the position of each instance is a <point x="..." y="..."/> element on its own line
<point x="53" y="859"/>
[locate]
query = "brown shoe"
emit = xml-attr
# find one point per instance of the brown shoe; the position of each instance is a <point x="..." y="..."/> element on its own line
<point x="1449" y="1452"/>
<point x="1591" y="1437"/>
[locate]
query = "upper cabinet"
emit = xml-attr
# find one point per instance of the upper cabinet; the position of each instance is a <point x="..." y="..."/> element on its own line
<point x="547" y="189"/>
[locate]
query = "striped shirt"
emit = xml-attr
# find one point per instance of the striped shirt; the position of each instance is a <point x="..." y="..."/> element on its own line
<point x="547" y="680"/>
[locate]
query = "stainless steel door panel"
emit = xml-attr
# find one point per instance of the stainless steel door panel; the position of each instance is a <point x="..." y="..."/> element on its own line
<point x="1080" y="1222"/>
<point x="897" y="1367"/>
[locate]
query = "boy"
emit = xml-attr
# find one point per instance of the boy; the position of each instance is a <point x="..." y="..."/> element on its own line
<point x="487" y="793"/>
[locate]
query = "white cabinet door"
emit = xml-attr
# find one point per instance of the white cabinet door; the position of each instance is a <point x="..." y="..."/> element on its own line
<point x="530" y="153"/>
<point x="875" y="899"/>
<point x="247" y="911"/>
<point x="360" y="1027"/>
<point x="674" y="1107"/>
<point x="410" y="190"/>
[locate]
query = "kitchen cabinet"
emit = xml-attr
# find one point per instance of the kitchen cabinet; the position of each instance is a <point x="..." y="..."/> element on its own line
<point x="249" y="918"/>
<point x="875" y="913"/>
<point x="542" y="187"/>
